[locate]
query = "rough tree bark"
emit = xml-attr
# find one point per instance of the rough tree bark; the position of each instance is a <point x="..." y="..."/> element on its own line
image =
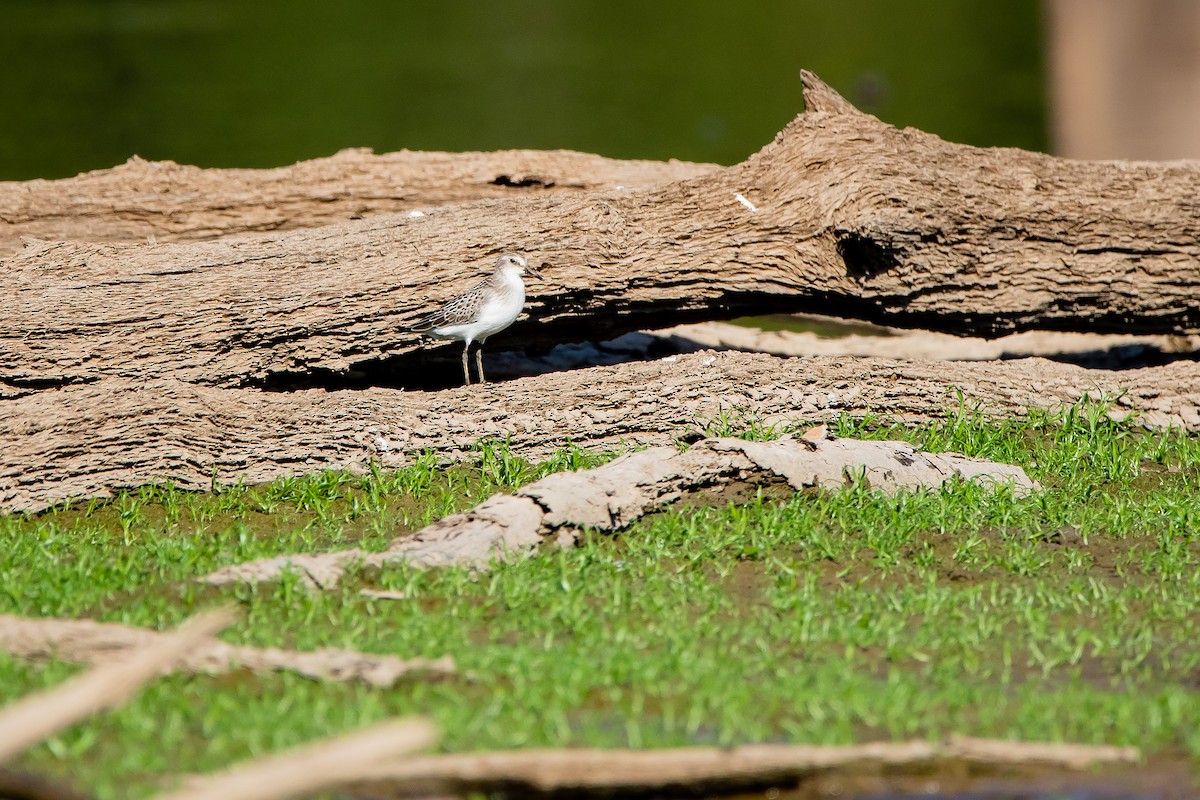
<point x="87" y="440"/>
<point x="840" y="214"/>
<point x="162" y="200"/>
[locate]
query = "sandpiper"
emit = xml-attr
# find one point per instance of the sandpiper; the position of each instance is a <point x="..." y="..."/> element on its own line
<point x="489" y="307"/>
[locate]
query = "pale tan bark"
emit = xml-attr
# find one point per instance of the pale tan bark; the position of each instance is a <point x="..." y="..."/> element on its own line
<point x="162" y="200"/>
<point x="609" y="498"/>
<point x="850" y="216"/>
<point x="88" y="440"/>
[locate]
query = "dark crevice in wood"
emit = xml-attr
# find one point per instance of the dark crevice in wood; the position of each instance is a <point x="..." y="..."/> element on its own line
<point x="437" y="365"/>
<point x="863" y="256"/>
<point x="524" y="181"/>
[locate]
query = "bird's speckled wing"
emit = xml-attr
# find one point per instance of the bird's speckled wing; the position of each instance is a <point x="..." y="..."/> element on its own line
<point x="459" y="311"/>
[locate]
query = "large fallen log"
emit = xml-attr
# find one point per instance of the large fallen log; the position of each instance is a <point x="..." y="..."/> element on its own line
<point x="89" y="440"/>
<point x="840" y="214"/>
<point x="564" y="506"/>
<point x="162" y="200"/>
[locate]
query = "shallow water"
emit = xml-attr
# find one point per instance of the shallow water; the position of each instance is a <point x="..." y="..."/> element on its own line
<point x="824" y="327"/>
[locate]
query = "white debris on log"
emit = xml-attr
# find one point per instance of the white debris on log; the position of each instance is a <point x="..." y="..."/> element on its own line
<point x="612" y="496"/>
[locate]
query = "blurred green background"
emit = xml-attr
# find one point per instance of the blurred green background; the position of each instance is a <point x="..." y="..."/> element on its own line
<point x="260" y="83"/>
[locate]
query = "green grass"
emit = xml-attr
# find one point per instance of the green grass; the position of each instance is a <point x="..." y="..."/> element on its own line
<point x="816" y="617"/>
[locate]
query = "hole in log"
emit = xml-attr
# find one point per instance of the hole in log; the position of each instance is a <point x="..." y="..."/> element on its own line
<point x="524" y="181"/>
<point x="864" y="257"/>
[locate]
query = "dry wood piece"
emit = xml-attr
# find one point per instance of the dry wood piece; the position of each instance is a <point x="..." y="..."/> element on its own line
<point x="96" y="642"/>
<point x="699" y="769"/>
<point x="612" y="496"/>
<point x="87" y="441"/>
<point x="1110" y="350"/>
<point x="313" y="767"/>
<point x="38" y="716"/>
<point x="843" y="214"/>
<point x="163" y="200"/>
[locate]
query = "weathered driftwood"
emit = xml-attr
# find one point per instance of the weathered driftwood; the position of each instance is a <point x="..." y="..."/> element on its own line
<point x="610" y="497"/>
<point x="86" y="441"/>
<point x="841" y="214"/>
<point x="95" y="642"/>
<point x="696" y="770"/>
<point x="162" y="200"/>
<point x="38" y="716"/>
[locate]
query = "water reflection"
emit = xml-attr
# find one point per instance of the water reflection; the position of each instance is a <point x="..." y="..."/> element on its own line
<point x="229" y="83"/>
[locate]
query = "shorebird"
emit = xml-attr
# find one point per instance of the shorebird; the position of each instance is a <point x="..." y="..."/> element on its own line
<point x="486" y="308"/>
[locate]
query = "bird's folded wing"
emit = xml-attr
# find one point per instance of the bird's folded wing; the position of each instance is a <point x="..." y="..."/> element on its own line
<point x="459" y="311"/>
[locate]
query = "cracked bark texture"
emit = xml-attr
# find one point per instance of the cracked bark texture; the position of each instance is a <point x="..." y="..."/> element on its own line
<point x="89" y="440"/>
<point x="162" y="200"/>
<point x="843" y="214"/>
<point x="611" y="497"/>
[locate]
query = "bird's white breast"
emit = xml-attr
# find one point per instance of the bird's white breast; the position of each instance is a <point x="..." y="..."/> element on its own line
<point x="500" y="310"/>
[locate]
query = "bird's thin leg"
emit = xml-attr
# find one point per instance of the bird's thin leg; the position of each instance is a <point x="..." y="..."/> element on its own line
<point x="479" y="362"/>
<point x="466" y="365"/>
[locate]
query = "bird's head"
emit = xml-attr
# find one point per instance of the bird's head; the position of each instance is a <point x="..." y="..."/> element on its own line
<point x="516" y="265"/>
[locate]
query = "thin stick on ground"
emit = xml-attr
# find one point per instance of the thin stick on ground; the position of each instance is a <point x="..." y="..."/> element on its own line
<point x="709" y="768"/>
<point x="313" y="767"/>
<point x="38" y="716"/>
<point x="90" y="641"/>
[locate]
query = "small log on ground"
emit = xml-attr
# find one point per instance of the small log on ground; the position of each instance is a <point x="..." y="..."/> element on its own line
<point x="700" y="770"/>
<point x="611" y="497"/>
<point x="162" y="200"/>
<point x="97" y="642"/>
<point x="88" y="441"/>
<point x="841" y="214"/>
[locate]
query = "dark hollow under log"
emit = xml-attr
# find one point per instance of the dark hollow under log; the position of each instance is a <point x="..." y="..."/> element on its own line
<point x="841" y="214"/>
